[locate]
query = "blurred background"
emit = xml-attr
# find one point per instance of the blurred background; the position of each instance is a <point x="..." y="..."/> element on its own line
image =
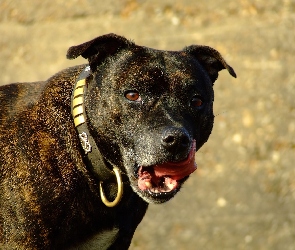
<point x="243" y="194"/>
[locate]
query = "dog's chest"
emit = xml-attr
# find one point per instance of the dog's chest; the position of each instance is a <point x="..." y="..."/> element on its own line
<point x="102" y="240"/>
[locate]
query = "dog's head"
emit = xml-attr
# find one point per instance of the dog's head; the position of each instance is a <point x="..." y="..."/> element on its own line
<point x="150" y="110"/>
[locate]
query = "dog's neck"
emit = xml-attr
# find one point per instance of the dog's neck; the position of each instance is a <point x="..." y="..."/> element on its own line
<point x="92" y="155"/>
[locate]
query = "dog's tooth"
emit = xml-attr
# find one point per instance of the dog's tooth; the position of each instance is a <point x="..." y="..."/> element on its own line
<point x="148" y="184"/>
<point x="170" y="186"/>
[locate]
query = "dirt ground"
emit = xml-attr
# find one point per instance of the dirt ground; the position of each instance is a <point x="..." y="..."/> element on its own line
<point x="243" y="193"/>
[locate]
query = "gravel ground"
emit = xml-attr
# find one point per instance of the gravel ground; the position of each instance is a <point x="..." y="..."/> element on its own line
<point x="243" y="194"/>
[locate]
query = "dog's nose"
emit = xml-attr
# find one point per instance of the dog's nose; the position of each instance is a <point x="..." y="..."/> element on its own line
<point x="176" y="139"/>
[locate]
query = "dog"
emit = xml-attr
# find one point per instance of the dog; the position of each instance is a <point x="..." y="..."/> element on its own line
<point x="85" y="152"/>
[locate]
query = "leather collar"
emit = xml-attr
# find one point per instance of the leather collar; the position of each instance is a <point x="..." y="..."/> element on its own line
<point x="92" y="155"/>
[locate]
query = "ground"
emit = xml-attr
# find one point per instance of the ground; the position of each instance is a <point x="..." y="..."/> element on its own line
<point x="243" y="193"/>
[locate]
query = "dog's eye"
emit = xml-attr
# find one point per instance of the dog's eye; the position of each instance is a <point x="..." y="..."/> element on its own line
<point x="196" y="102"/>
<point x="132" y="95"/>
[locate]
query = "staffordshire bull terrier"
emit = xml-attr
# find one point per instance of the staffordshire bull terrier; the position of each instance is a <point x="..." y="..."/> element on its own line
<point x="85" y="152"/>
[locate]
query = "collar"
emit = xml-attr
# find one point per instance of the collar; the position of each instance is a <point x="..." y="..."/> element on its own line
<point x="92" y="155"/>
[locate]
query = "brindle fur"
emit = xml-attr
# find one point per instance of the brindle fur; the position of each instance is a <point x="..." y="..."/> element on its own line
<point x="49" y="198"/>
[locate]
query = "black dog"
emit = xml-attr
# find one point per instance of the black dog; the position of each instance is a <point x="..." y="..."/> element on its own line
<point x="83" y="153"/>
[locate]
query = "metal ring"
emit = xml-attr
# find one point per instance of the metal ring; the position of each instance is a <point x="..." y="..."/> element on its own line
<point x="119" y="193"/>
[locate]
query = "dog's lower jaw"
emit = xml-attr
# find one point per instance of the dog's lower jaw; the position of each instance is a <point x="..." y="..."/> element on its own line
<point x="153" y="196"/>
<point x="160" y="182"/>
<point x="150" y="195"/>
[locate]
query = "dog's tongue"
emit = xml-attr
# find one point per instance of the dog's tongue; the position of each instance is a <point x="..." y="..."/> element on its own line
<point x="178" y="170"/>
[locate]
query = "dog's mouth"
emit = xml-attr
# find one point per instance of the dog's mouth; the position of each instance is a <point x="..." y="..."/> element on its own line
<point x="164" y="180"/>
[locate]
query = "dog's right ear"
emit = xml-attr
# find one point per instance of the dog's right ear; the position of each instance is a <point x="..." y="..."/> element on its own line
<point x="99" y="48"/>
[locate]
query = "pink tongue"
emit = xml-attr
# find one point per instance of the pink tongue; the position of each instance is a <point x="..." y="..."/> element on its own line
<point x="178" y="170"/>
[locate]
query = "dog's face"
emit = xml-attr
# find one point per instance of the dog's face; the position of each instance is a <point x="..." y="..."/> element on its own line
<point x="150" y="110"/>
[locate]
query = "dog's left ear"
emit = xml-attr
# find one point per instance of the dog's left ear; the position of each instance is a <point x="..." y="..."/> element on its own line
<point x="99" y="48"/>
<point x="210" y="59"/>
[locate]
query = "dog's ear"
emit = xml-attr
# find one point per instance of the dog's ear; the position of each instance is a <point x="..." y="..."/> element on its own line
<point x="210" y="59"/>
<point x="99" y="48"/>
